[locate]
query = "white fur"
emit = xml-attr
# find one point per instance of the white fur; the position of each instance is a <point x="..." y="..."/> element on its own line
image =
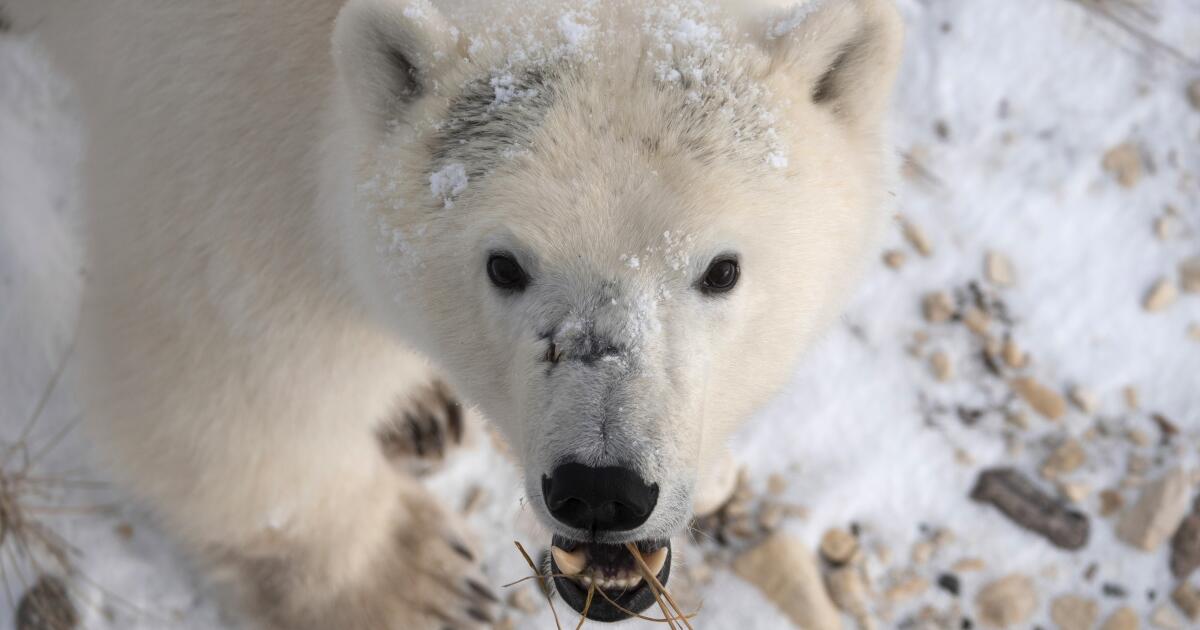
<point x="275" y="262"/>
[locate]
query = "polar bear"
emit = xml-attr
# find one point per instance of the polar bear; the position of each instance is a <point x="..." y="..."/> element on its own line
<point x="610" y="226"/>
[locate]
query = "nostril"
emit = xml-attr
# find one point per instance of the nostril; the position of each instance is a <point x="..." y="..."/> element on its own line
<point x="608" y="498"/>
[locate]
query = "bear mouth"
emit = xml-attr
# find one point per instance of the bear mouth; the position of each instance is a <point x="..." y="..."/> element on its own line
<point x="577" y="566"/>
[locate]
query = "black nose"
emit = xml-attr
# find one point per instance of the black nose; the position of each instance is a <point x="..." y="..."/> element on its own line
<point x="610" y="498"/>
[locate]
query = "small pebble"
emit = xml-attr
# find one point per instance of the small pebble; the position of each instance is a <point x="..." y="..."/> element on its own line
<point x="1044" y="400"/>
<point x="1124" y="162"/>
<point x="949" y="583"/>
<point x="1161" y="295"/>
<point x="999" y="269"/>
<point x="1083" y="399"/>
<point x="937" y="307"/>
<point x="1189" y="275"/>
<point x="838" y="546"/>
<point x="894" y="258"/>
<point x="916" y="237"/>
<point x="939" y="364"/>
<point x="1122" y="618"/>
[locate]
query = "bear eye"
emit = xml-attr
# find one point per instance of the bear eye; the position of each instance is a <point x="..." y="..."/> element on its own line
<point x="721" y="276"/>
<point x="506" y="273"/>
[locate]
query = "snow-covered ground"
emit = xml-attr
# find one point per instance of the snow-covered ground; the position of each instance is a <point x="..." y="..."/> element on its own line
<point x="1005" y="111"/>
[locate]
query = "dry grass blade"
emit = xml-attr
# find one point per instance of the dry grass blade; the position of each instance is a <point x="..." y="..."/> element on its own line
<point x="657" y="586"/>
<point x="1106" y="12"/>
<point x="545" y="583"/>
<point x="587" y="605"/>
<point x="666" y="620"/>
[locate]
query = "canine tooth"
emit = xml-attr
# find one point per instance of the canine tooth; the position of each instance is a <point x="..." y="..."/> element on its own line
<point x="656" y="560"/>
<point x="569" y="563"/>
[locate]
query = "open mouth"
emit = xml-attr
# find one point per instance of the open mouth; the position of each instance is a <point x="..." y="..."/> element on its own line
<point x="621" y="591"/>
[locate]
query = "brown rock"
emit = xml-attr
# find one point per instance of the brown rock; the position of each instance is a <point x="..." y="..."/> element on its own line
<point x="1122" y="618"/>
<point x="786" y="573"/>
<point x="1185" y="546"/>
<point x="523" y="600"/>
<point x="1131" y="397"/>
<point x="1189" y="274"/>
<point x="905" y="587"/>
<point x="776" y="484"/>
<point x="1074" y="491"/>
<point x="848" y="590"/>
<point x="1083" y="399"/>
<point x="1166" y="618"/>
<point x="922" y="552"/>
<point x="1071" y="612"/>
<point x="1111" y="502"/>
<point x="976" y="321"/>
<point x="1012" y="354"/>
<point x="1065" y="459"/>
<point x="1193" y="94"/>
<point x="770" y="517"/>
<point x="968" y="565"/>
<point x="1161" y="295"/>
<point x="916" y="237"/>
<point x="894" y="258"/>
<point x="939" y="364"/>
<point x="1138" y="437"/>
<point x="838" y="546"/>
<point x="1042" y="399"/>
<point x="1028" y="506"/>
<point x="1007" y="602"/>
<point x="1187" y="597"/>
<point x="937" y="307"/>
<point x="1124" y="162"/>
<point x="1158" y="512"/>
<point x="998" y="269"/>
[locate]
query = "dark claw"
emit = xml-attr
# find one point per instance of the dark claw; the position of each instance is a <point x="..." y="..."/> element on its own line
<point x="480" y="615"/>
<point x="462" y="550"/>
<point x="481" y="590"/>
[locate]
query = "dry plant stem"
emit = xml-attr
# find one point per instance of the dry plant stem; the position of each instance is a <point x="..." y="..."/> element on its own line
<point x="666" y="620"/>
<point x="544" y="584"/>
<point x="652" y="580"/>
<point x="587" y="605"/>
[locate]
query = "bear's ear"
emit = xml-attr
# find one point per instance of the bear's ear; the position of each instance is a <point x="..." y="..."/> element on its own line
<point x="390" y="53"/>
<point x="845" y="53"/>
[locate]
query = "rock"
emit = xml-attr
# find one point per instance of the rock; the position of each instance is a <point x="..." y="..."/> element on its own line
<point x="1124" y="162"/>
<point x="1187" y="598"/>
<point x="1122" y="618"/>
<point x="922" y="552"/>
<point x="1193" y="94"/>
<point x="937" y="307"/>
<point x="968" y="565"/>
<point x="1012" y="355"/>
<point x="1065" y="459"/>
<point x="1111" y="502"/>
<point x="998" y="269"/>
<point x="786" y="573"/>
<point x="1161" y="295"/>
<point x="894" y="258"/>
<point x="1074" y="491"/>
<point x="47" y="606"/>
<point x="976" y="321"/>
<point x="1007" y="602"/>
<point x="939" y="364"/>
<point x="848" y="590"/>
<point x="1071" y="612"/>
<point x="907" y="586"/>
<point x="1158" y="512"/>
<point x="950" y="583"/>
<point x="1189" y="274"/>
<point x="1019" y="499"/>
<point x="718" y="487"/>
<point x="523" y="600"/>
<point x="916" y="237"/>
<point x="1185" y="546"/>
<point x="1166" y="618"/>
<point x="1131" y="397"/>
<point x="1083" y="399"/>
<point x="1042" y="399"/>
<point x="776" y="484"/>
<point x="838" y="546"/>
<point x="1138" y="437"/>
<point x="770" y="517"/>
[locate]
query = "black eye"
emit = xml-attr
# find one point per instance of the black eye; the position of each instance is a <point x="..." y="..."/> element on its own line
<point x="721" y="276"/>
<point x="506" y="273"/>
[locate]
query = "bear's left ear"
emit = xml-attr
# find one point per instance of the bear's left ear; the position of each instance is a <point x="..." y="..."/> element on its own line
<point x="845" y="54"/>
<point x="390" y="53"/>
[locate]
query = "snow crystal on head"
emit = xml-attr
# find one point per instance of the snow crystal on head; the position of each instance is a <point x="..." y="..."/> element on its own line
<point x="448" y="182"/>
<point x="793" y="19"/>
<point x="575" y="32"/>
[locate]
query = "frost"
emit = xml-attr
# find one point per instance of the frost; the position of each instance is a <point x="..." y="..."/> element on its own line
<point x="777" y="160"/>
<point x="631" y="261"/>
<point x="574" y="32"/>
<point x="794" y="18"/>
<point x="506" y="93"/>
<point x="449" y="182"/>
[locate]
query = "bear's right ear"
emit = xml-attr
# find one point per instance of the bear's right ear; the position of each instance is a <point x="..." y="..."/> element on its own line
<point x="390" y="53"/>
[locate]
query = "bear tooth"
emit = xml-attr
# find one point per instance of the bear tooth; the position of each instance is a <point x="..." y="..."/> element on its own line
<point x="569" y="563"/>
<point x="656" y="560"/>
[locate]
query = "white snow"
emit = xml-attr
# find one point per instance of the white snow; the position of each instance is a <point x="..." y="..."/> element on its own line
<point x="448" y="182"/>
<point x="1030" y="93"/>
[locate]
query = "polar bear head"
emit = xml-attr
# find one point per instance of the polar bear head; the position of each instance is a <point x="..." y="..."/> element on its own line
<point x="613" y="226"/>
